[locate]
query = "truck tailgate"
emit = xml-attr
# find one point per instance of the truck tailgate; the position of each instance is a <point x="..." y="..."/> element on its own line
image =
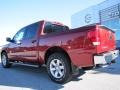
<point x="107" y="39"/>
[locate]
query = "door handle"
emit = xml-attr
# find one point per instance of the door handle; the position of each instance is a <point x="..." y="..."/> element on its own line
<point x="33" y="41"/>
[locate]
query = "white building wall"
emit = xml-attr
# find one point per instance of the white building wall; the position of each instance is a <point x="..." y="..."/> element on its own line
<point x="91" y="14"/>
<point x="87" y="16"/>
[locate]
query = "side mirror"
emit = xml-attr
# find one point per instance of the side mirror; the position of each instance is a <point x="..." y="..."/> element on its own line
<point x="8" y="39"/>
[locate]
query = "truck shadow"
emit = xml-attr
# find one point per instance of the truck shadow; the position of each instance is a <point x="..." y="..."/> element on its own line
<point x="28" y="77"/>
<point x="110" y="69"/>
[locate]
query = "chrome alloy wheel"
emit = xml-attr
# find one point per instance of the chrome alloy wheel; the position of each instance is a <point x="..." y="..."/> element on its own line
<point x="57" y="68"/>
<point x="4" y="60"/>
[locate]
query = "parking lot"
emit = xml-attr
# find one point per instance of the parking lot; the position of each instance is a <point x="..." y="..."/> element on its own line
<point x="31" y="78"/>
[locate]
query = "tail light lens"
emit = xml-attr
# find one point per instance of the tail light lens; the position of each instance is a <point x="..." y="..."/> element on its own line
<point x="94" y="37"/>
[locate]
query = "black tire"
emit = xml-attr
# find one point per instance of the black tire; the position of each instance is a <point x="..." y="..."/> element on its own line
<point x="5" y="63"/>
<point x="64" y="61"/>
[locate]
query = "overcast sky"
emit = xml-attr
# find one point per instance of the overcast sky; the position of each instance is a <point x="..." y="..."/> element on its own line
<point x="15" y="14"/>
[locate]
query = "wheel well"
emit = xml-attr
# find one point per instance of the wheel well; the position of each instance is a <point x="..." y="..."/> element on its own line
<point x="54" y="50"/>
<point x="3" y="51"/>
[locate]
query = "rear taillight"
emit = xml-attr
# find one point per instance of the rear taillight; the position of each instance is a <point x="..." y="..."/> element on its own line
<point x="94" y="37"/>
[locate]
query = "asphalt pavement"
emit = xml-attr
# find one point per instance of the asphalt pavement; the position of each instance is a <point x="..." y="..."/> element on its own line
<point x="30" y="78"/>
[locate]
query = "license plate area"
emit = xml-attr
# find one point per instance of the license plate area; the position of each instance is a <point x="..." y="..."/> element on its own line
<point x="108" y="58"/>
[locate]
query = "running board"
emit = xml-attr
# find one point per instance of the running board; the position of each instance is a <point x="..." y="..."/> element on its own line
<point x="25" y="64"/>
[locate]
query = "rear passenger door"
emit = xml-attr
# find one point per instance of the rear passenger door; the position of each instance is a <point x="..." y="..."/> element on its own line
<point x="30" y="43"/>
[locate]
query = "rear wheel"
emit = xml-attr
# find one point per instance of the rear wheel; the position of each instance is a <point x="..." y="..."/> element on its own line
<point x="59" y="68"/>
<point x="4" y="60"/>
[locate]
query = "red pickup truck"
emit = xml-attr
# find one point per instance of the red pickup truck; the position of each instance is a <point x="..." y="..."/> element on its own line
<point x="61" y="49"/>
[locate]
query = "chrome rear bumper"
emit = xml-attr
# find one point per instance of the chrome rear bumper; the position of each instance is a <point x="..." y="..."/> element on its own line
<point x="106" y="58"/>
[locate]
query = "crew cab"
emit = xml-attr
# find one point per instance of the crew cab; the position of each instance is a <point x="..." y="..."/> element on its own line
<point x="61" y="49"/>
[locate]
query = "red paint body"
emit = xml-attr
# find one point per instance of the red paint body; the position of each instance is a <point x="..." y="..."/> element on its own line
<point x="77" y="43"/>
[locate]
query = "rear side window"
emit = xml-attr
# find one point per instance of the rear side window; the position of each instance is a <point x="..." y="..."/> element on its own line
<point x="50" y="28"/>
<point x="31" y="31"/>
<point x="58" y="28"/>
